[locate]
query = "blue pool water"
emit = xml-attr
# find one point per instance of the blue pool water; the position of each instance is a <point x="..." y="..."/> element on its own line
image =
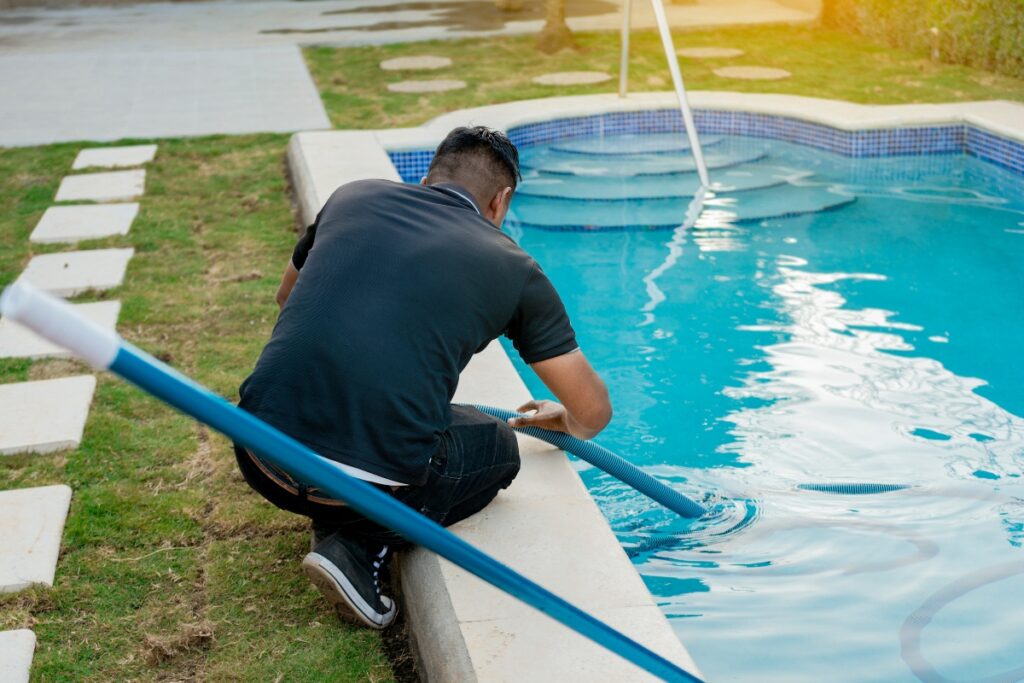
<point x="826" y="319"/>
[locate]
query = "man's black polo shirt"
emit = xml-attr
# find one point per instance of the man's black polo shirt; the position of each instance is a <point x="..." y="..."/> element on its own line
<point x="400" y="285"/>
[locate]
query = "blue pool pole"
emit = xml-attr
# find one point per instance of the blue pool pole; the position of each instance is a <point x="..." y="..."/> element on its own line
<point x="601" y="457"/>
<point x="56" y="320"/>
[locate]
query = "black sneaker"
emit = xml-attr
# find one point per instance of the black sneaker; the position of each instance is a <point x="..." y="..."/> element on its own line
<point x="347" y="571"/>
<point x="318" y="533"/>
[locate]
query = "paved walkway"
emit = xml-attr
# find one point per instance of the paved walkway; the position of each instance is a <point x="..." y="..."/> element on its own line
<point x="111" y="94"/>
<point x="233" y="66"/>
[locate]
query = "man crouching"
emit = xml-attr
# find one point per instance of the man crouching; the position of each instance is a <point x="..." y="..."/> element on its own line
<point x="388" y="295"/>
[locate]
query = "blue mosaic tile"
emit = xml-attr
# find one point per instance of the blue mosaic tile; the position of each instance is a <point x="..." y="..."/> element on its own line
<point x="1008" y="154"/>
<point x="412" y="165"/>
<point x="922" y="140"/>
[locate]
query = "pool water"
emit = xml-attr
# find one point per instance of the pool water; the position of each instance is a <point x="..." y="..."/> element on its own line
<point x="826" y="319"/>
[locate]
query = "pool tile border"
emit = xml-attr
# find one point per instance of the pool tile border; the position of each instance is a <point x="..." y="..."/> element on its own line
<point x="957" y="138"/>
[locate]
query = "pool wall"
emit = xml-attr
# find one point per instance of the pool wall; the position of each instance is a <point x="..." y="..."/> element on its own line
<point x="546" y="525"/>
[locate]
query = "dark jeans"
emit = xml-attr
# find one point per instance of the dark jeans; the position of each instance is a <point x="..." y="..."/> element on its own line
<point x="478" y="456"/>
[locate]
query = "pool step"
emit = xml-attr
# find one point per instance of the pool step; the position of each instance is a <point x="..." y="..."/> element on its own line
<point x="735" y="179"/>
<point x="668" y="213"/>
<point x="593" y="165"/>
<point x="654" y="143"/>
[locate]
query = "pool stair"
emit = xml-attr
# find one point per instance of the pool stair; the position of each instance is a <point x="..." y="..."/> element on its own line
<point x="618" y="165"/>
<point x="619" y="183"/>
<point x="668" y="213"/>
<point x="596" y="189"/>
<point x="652" y="143"/>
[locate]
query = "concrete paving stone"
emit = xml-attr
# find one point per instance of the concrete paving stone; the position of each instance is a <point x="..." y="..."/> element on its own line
<point x="752" y="73"/>
<point x="426" y="86"/>
<point x="84" y="222"/>
<point x="102" y="187"/>
<point x="74" y="272"/>
<point x="16" y="650"/>
<point x="44" y="416"/>
<point x="572" y="78"/>
<point x="31" y="521"/>
<point x="419" y="63"/>
<point x="17" y="341"/>
<point x="114" y="157"/>
<point x="709" y="52"/>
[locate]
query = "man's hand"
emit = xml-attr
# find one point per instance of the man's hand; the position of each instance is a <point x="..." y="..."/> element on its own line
<point x="547" y="415"/>
<point x="584" y="409"/>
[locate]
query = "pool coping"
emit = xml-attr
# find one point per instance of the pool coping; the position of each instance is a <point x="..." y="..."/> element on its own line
<point x="546" y="525"/>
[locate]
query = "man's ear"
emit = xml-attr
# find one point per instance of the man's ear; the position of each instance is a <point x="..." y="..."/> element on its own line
<point x="498" y="205"/>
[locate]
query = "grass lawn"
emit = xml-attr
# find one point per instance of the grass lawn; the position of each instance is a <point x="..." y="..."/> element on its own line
<point x="171" y="568"/>
<point x="823" y="63"/>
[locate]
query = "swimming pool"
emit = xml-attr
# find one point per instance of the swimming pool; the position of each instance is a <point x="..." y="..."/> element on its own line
<point x="827" y="319"/>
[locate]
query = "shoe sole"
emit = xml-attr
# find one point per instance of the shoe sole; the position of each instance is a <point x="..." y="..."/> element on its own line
<point x="340" y="592"/>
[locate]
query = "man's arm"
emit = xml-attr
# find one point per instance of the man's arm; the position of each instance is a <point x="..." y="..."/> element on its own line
<point x="585" y="408"/>
<point x="298" y="260"/>
<point x="287" y="283"/>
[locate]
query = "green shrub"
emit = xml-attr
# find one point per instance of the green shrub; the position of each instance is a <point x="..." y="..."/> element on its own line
<point x="982" y="33"/>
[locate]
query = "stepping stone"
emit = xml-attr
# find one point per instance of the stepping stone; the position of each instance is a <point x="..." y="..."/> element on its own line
<point x="44" y="416"/>
<point x="102" y="187"/>
<point x="752" y="73"/>
<point x="74" y="272"/>
<point x="16" y="650"/>
<point x="572" y="78"/>
<point x="83" y="222"/>
<point x="31" y="524"/>
<point x="17" y="341"/>
<point x="114" y="157"/>
<point x="426" y="86"/>
<point x="709" y="52"/>
<point x="421" y="63"/>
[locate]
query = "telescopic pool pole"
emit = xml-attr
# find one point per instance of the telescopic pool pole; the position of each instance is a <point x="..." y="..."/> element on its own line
<point x="677" y="82"/>
<point x="627" y="11"/>
<point x="56" y="320"/>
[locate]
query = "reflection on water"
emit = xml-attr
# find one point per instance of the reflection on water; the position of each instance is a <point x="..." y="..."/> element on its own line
<point x="832" y="378"/>
<point x="878" y="342"/>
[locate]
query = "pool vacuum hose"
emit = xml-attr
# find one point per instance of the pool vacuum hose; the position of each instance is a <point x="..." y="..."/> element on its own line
<point x="602" y="458"/>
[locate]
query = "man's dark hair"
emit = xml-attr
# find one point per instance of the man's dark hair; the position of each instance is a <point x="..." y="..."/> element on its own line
<point x="481" y="158"/>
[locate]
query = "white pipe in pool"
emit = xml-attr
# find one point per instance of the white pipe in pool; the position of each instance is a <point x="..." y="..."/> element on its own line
<point x="677" y="81"/>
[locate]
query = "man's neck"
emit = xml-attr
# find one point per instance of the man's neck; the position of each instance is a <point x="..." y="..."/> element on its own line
<point x="459" y="191"/>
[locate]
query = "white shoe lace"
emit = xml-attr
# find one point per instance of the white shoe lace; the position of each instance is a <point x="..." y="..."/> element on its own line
<point x="377" y="564"/>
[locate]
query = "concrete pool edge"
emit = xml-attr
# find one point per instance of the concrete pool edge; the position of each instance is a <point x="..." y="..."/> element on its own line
<point x="545" y="525"/>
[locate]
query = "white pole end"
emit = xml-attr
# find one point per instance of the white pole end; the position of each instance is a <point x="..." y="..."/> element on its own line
<point x="57" y="320"/>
